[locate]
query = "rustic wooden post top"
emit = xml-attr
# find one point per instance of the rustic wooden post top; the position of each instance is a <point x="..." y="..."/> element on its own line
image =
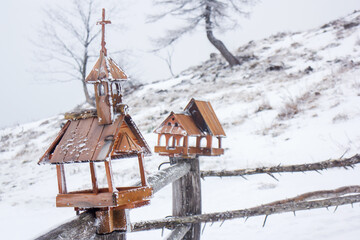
<point x="102" y="23"/>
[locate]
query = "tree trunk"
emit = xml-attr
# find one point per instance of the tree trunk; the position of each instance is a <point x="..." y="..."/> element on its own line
<point x="231" y="59"/>
<point x="87" y="95"/>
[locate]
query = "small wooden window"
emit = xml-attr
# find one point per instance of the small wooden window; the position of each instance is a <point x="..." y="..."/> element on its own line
<point x="181" y="142"/>
<point x="176" y="124"/>
<point x="101" y="90"/>
<point x="162" y="140"/>
<point x="116" y="89"/>
<point x="171" y="142"/>
<point x="203" y="142"/>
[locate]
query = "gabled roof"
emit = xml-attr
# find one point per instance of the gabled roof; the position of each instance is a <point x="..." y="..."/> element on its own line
<point x="105" y="68"/>
<point x="126" y="144"/>
<point x="178" y="124"/>
<point x="85" y="140"/>
<point x="205" y="118"/>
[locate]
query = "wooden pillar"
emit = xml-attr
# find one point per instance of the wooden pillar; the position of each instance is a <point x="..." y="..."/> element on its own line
<point x="219" y="138"/>
<point x="61" y="178"/>
<point x="141" y="168"/>
<point x="159" y="138"/>
<point x="186" y="195"/>
<point x="198" y="141"/>
<point x="109" y="176"/>
<point x="110" y="220"/>
<point x="93" y="178"/>
<point x="209" y="141"/>
<point x="186" y="144"/>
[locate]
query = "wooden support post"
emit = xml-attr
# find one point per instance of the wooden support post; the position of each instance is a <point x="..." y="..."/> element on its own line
<point x="159" y="138"/>
<point x="93" y="178"/>
<point x="186" y="144"/>
<point x="61" y="178"/>
<point x="186" y="194"/>
<point x="141" y="168"/>
<point x="109" y="176"/>
<point x="198" y="141"/>
<point x="105" y="221"/>
<point x="209" y="141"/>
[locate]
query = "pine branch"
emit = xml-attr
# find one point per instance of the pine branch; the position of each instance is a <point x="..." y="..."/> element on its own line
<point x="348" y="162"/>
<point x="287" y="205"/>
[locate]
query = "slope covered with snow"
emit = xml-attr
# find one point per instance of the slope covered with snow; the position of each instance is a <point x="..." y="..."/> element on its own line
<point x="294" y="99"/>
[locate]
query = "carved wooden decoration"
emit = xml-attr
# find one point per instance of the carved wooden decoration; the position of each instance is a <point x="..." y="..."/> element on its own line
<point x="102" y="135"/>
<point x="199" y="123"/>
<point x="106" y="76"/>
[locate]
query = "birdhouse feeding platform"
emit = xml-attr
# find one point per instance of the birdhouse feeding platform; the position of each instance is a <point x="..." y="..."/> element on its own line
<point x="191" y="132"/>
<point x="104" y="134"/>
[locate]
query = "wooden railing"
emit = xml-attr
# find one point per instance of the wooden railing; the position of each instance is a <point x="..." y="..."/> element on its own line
<point x="185" y="223"/>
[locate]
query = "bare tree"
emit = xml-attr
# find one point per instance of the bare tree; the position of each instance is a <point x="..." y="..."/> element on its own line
<point x="168" y="60"/>
<point x="67" y="37"/>
<point x="214" y="14"/>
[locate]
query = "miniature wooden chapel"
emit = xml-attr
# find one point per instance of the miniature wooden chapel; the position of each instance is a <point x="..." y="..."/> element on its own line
<point x="101" y="135"/>
<point x="198" y="122"/>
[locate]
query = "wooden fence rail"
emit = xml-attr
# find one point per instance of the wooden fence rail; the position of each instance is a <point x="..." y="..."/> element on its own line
<point x="318" y="166"/>
<point x="184" y="173"/>
<point x="266" y="210"/>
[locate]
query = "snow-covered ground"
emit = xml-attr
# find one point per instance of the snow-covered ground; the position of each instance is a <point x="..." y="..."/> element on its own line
<point x="295" y="99"/>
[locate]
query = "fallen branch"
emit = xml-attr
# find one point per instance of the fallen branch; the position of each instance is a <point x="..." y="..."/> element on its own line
<point x="348" y="162"/>
<point x="287" y="205"/>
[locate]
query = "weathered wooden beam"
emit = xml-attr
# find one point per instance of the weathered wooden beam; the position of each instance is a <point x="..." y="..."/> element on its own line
<point x="83" y="226"/>
<point x="179" y="232"/>
<point x="348" y="162"/>
<point x="266" y="210"/>
<point x="186" y="195"/>
<point x="164" y="177"/>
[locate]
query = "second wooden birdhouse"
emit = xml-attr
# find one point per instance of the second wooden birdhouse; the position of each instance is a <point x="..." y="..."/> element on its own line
<point x="196" y="131"/>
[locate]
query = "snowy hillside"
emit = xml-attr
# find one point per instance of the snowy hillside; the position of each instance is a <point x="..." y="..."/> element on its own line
<point x="295" y="99"/>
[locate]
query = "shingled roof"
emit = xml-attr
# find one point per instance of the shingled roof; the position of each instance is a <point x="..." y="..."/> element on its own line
<point x="198" y="119"/>
<point x="205" y="118"/>
<point x="85" y="140"/>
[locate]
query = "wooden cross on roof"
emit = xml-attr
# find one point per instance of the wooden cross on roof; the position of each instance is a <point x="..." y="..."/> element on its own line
<point x="103" y="22"/>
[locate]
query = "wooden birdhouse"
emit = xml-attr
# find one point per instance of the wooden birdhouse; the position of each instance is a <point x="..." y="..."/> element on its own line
<point x="101" y="136"/>
<point x="195" y="132"/>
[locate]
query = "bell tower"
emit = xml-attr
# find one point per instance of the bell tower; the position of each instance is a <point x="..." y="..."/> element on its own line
<point x="106" y="76"/>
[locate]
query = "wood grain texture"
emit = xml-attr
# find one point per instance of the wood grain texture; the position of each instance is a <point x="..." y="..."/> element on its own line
<point x="186" y="196"/>
<point x="86" y="200"/>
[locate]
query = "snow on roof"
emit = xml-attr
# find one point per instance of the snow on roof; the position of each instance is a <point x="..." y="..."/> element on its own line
<point x="106" y="68"/>
<point x="85" y="140"/>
